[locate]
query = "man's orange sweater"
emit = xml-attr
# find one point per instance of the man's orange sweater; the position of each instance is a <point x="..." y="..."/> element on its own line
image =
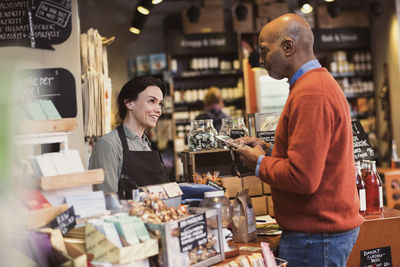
<point x="311" y="170"/>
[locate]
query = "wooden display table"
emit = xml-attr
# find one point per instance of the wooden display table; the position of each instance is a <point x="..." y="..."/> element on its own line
<point x="391" y="184"/>
<point x="377" y="232"/>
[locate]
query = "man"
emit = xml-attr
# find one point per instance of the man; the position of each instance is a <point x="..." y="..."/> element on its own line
<point x="311" y="170"/>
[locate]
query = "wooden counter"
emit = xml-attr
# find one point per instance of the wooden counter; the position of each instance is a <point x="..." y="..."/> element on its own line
<point x="376" y="232"/>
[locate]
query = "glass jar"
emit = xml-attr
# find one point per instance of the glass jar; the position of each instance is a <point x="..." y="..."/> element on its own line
<point x="202" y="135"/>
<point x="217" y="199"/>
<point x="234" y="128"/>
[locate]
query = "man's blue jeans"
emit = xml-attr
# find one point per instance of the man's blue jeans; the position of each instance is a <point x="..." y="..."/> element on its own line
<point x="307" y="249"/>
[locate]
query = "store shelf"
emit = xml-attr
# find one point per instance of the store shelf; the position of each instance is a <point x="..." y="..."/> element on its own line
<point x="357" y="95"/>
<point x="47" y="126"/>
<point x="38" y="218"/>
<point x="351" y="74"/>
<point x="89" y="177"/>
<point x="205" y="73"/>
<point x="229" y="101"/>
<point x="182" y="122"/>
<point x="361" y="115"/>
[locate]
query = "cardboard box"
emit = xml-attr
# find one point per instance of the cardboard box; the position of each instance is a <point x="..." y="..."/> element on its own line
<point x="272" y="11"/>
<point x="260" y="205"/>
<point x="270" y="205"/>
<point x="266" y="189"/>
<point x="210" y="20"/>
<point x="246" y="25"/>
<point x="347" y="18"/>
<point x="254" y="185"/>
<point x="232" y="185"/>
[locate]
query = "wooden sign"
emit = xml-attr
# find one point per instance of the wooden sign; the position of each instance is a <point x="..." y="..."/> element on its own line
<point x="34" y="24"/>
<point x="361" y="147"/>
<point x="193" y="232"/>
<point x="376" y="257"/>
<point x="202" y="44"/>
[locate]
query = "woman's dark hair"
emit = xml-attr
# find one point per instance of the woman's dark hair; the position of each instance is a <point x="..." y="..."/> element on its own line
<point x="133" y="88"/>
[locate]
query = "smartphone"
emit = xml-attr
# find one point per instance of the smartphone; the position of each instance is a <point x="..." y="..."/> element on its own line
<point x="229" y="141"/>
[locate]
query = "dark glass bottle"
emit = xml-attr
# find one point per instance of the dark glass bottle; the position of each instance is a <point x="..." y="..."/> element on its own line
<point x="361" y="189"/>
<point x="373" y="187"/>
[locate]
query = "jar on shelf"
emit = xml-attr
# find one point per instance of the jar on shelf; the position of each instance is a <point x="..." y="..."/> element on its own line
<point x="234" y="128"/>
<point x="202" y="135"/>
<point x="217" y="199"/>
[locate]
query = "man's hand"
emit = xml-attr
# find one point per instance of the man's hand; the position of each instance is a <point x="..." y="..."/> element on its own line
<point x="253" y="142"/>
<point x="249" y="155"/>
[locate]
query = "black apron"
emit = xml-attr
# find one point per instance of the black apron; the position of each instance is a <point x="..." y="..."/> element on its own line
<point x="139" y="168"/>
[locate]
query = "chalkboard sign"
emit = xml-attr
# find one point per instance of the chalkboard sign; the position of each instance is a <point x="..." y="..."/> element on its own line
<point x="202" y="44"/>
<point x="193" y="232"/>
<point x="376" y="257"/>
<point x="65" y="221"/>
<point x="342" y="38"/>
<point x="57" y="85"/>
<point x="267" y="136"/>
<point x="361" y="146"/>
<point x="216" y="185"/>
<point x="34" y="23"/>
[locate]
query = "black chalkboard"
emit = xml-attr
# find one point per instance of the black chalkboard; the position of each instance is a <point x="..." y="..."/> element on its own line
<point x="267" y="136"/>
<point x="376" y="257"/>
<point x="342" y="38"/>
<point x="57" y="85"/>
<point x="34" y="23"/>
<point x="193" y="232"/>
<point x="362" y="148"/>
<point x="236" y="133"/>
<point x="65" y="221"/>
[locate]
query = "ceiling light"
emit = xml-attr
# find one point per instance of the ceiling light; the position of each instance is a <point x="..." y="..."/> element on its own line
<point x="143" y="10"/>
<point x="155" y="2"/>
<point x="241" y="12"/>
<point x="329" y="1"/>
<point x="305" y="6"/>
<point x="193" y="14"/>
<point x="134" y="30"/>
<point x="333" y="10"/>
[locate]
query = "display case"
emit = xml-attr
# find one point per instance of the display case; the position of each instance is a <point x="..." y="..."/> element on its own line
<point x="178" y="253"/>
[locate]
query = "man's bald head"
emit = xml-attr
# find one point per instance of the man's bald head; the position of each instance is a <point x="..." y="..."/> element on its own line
<point x="286" y="43"/>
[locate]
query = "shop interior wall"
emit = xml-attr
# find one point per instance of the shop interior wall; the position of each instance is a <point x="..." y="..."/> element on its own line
<point x="65" y="55"/>
<point x="385" y="47"/>
<point x="113" y="18"/>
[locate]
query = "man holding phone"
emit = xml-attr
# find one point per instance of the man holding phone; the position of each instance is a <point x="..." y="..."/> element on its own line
<point x="311" y="170"/>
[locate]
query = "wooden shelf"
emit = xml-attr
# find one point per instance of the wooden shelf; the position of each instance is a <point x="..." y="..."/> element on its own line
<point x="48" y="126"/>
<point x="351" y="74"/>
<point x="205" y="73"/>
<point x="89" y="177"/>
<point x="38" y="218"/>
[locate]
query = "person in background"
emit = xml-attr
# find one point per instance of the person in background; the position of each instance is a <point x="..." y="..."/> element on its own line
<point x="126" y="154"/>
<point x="311" y="169"/>
<point x="213" y="105"/>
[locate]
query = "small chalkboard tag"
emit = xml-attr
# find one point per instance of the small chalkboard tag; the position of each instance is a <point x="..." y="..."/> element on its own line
<point x="216" y="185"/>
<point x="65" y="221"/>
<point x="267" y="136"/>
<point x="376" y="257"/>
<point x="362" y="148"/>
<point x="193" y="232"/>
<point x="235" y="133"/>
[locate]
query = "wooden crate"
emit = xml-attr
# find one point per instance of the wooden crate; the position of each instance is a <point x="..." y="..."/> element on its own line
<point x="391" y="185"/>
<point x="254" y="184"/>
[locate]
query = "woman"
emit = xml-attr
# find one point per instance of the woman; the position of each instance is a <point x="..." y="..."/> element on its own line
<point x="126" y="154"/>
<point x="213" y="105"/>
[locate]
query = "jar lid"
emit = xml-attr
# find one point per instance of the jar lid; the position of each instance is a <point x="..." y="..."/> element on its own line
<point x="217" y="193"/>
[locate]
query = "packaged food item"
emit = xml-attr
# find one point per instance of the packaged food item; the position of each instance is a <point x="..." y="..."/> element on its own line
<point x="244" y="219"/>
<point x="203" y="178"/>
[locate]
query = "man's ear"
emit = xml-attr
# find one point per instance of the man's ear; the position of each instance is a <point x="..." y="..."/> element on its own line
<point x="288" y="46"/>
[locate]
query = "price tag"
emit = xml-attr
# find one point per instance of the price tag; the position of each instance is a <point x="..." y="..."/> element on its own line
<point x="376" y="257"/>
<point x="172" y="189"/>
<point x="216" y="185"/>
<point x="193" y="232"/>
<point x="362" y="148"/>
<point x="65" y="221"/>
